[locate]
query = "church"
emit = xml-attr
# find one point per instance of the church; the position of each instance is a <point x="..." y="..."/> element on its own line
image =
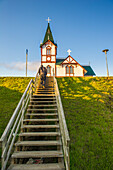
<point x="60" y="67"/>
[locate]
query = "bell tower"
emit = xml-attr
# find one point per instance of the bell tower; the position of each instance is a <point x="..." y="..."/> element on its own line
<point x="48" y="51"/>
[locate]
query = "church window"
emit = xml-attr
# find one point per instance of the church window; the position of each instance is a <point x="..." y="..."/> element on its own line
<point x="67" y="70"/>
<point x="48" y="51"/>
<point x="48" y="69"/>
<point x="71" y="70"/>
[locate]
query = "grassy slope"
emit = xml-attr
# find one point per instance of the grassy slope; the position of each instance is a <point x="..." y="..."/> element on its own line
<point x="11" y="90"/>
<point x="88" y="106"/>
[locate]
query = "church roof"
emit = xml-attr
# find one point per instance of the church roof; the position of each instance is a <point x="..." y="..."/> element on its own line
<point x="59" y="61"/>
<point x="90" y="71"/>
<point x="48" y="36"/>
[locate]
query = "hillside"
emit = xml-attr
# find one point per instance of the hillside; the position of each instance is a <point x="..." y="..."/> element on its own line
<point x="11" y="90"/>
<point x="88" y="106"/>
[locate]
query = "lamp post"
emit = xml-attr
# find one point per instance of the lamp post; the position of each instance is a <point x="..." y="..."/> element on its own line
<point x="26" y="60"/>
<point x="105" y="51"/>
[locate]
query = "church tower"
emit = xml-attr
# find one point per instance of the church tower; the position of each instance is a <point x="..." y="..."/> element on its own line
<point x="48" y="52"/>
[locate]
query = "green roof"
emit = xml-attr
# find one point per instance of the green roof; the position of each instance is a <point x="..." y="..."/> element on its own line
<point x="89" y="70"/>
<point x="59" y="61"/>
<point x="48" y="36"/>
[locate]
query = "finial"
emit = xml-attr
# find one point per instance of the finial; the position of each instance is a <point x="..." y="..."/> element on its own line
<point x="69" y="51"/>
<point x="48" y="19"/>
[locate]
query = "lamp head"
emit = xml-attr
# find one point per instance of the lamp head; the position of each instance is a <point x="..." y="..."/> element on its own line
<point x="105" y="50"/>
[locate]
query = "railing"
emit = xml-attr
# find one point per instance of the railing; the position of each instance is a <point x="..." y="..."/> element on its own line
<point x="63" y="127"/>
<point x="11" y="132"/>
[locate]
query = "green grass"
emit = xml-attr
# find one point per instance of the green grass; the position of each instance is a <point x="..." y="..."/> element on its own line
<point x="88" y="107"/>
<point x="11" y="90"/>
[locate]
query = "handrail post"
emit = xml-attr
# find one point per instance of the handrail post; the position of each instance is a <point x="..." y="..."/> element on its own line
<point x="23" y="110"/>
<point x="3" y="143"/>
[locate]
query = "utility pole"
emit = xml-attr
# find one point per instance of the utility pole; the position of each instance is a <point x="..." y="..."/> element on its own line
<point x="26" y="60"/>
<point x="105" y="51"/>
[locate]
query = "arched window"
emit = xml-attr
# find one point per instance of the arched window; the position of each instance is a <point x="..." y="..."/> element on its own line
<point x="67" y="70"/>
<point x="48" y="50"/>
<point x="48" y="69"/>
<point x="71" y="70"/>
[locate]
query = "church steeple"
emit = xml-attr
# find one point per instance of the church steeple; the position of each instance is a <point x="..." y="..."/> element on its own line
<point x="48" y="35"/>
<point x="48" y="51"/>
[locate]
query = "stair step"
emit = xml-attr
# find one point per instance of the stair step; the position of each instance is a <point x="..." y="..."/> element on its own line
<point x="38" y="143"/>
<point x="41" y="109"/>
<point x="40" y="126"/>
<point x="49" y="166"/>
<point x="40" y="120"/>
<point x="52" y="105"/>
<point x="47" y="88"/>
<point x="37" y="154"/>
<point x="40" y="134"/>
<point x="34" y="98"/>
<point x="44" y="95"/>
<point x="44" y="90"/>
<point x="41" y="114"/>
<point x="42" y="102"/>
<point x="41" y="92"/>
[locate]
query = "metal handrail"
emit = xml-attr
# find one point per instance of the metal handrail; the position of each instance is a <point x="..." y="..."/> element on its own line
<point x="63" y="127"/>
<point x="11" y="131"/>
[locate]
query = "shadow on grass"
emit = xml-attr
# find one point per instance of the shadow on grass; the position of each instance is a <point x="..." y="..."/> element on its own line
<point x="8" y="102"/>
<point x="89" y="118"/>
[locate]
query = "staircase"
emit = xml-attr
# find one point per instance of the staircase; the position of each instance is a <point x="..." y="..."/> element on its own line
<point x="39" y="146"/>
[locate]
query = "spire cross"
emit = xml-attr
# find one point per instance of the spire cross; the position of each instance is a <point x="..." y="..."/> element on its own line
<point x="48" y="19"/>
<point x="69" y="51"/>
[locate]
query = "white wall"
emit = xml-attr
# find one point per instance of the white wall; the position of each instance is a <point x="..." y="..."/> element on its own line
<point x="61" y="71"/>
<point x="52" y="49"/>
<point x="52" y="67"/>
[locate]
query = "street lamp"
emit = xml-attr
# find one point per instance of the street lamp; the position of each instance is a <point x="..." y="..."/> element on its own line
<point x="105" y="51"/>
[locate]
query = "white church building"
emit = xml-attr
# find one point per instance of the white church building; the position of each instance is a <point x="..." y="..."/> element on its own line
<point x="60" y="67"/>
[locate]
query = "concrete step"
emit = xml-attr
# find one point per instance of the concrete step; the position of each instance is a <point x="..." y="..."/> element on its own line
<point x="40" y="134"/>
<point x="49" y="166"/>
<point x="41" y="126"/>
<point x="38" y="143"/>
<point x="40" y="120"/>
<point x="37" y="154"/>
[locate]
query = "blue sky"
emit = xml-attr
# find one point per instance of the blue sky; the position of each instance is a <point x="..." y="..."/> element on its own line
<point x="84" y="26"/>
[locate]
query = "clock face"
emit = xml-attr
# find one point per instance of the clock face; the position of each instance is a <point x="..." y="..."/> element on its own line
<point x="48" y="58"/>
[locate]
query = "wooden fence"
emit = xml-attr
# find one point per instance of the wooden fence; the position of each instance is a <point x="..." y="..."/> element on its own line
<point x="11" y="132"/>
<point x="63" y="127"/>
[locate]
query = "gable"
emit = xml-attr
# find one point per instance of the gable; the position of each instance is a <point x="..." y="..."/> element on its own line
<point x="71" y="60"/>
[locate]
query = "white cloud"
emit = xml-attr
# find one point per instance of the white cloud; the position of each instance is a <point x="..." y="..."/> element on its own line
<point x="20" y="66"/>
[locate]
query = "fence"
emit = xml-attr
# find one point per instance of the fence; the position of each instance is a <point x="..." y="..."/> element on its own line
<point x="11" y="132"/>
<point x="63" y="127"/>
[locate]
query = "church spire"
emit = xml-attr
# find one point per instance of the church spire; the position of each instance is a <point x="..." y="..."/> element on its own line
<point x="48" y="35"/>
